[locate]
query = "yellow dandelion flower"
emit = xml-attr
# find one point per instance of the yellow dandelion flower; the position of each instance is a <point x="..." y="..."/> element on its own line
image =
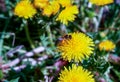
<point x="25" y="9"/>
<point x="52" y="8"/>
<point x="41" y="3"/>
<point x="65" y="3"/>
<point x="55" y="6"/>
<point x="106" y="45"/>
<point x="101" y="2"/>
<point x="47" y="11"/>
<point x="75" y="74"/>
<point x="68" y="14"/>
<point x="76" y="46"/>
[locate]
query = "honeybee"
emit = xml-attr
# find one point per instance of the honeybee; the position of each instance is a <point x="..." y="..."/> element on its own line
<point x="63" y="39"/>
<point x="67" y="37"/>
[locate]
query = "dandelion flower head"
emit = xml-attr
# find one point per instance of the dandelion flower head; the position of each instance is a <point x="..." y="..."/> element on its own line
<point x="55" y="6"/>
<point x="41" y="3"/>
<point x="75" y="74"/>
<point x="68" y="14"/>
<point x="25" y="9"/>
<point x="101" y="2"/>
<point x="106" y="45"/>
<point x="52" y="8"/>
<point x="76" y="46"/>
<point x="65" y="3"/>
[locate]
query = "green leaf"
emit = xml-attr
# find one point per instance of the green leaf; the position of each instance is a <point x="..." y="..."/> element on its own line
<point x="1" y="74"/>
<point x="15" y="80"/>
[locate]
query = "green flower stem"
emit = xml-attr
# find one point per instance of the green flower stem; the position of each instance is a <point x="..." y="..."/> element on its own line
<point x="1" y="42"/>
<point x="28" y="35"/>
<point x="2" y="37"/>
<point x="49" y="35"/>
